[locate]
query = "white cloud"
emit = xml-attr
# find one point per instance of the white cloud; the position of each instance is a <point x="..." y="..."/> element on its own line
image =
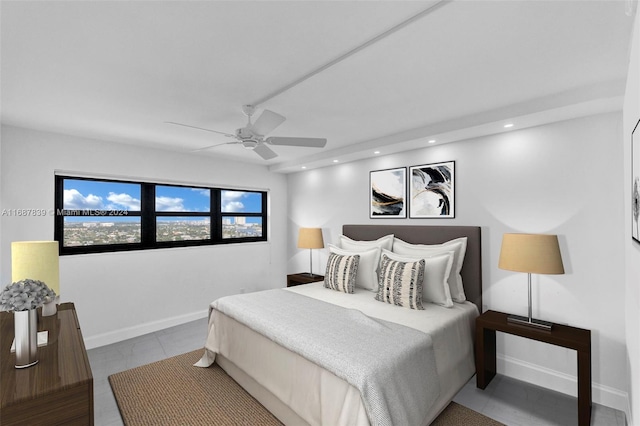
<point x="230" y="201"/>
<point x="170" y="204"/>
<point x="203" y="192"/>
<point x="232" y="195"/>
<point x="123" y="202"/>
<point x="74" y="200"/>
<point x="232" y="206"/>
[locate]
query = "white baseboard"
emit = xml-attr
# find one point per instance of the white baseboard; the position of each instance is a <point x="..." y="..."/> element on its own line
<point x="561" y="382"/>
<point x="139" y="330"/>
<point x="628" y="413"/>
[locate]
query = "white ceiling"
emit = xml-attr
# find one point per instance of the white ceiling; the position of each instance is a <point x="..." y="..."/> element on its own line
<point x="118" y="71"/>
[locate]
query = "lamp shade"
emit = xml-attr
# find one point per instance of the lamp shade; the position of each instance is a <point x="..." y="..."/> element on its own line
<point x="532" y="253"/>
<point x="310" y="238"/>
<point x="36" y="260"/>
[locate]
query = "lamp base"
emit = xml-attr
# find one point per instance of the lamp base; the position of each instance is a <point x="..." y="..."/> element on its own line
<point x="530" y="322"/>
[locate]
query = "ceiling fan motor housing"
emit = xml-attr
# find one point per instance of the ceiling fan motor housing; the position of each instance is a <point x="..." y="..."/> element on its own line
<point x="248" y="139"/>
<point x="246" y="133"/>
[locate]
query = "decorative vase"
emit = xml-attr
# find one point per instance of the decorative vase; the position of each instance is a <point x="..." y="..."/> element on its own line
<point x="49" y="308"/>
<point x="26" y="337"/>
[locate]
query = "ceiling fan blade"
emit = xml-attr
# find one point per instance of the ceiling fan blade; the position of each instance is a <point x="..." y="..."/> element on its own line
<point x="213" y="146"/>
<point x="303" y="142"/>
<point x="265" y="152"/>
<point x="200" y="128"/>
<point x="267" y="122"/>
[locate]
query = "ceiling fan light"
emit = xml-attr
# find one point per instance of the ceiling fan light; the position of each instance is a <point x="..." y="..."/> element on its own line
<point x="249" y="143"/>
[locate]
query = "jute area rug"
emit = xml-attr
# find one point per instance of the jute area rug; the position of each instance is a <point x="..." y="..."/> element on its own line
<point x="173" y="392"/>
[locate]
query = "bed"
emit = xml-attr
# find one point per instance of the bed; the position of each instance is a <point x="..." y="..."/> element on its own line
<point x="299" y="392"/>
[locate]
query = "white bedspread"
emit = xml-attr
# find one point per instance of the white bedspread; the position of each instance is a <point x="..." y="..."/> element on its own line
<point x="317" y="396"/>
<point x="392" y="366"/>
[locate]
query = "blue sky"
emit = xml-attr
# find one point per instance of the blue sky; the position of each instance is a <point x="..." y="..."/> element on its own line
<point x="86" y="194"/>
<point x="82" y="194"/>
<point x="180" y="199"/>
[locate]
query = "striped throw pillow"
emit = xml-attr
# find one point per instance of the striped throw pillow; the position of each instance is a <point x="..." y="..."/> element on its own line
<point x="400" y="283"/>
<point x="341" y="272"/>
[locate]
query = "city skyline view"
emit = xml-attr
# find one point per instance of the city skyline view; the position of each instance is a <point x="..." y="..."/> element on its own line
<point x="93" y="233"/>
<point x="106" y="212"/>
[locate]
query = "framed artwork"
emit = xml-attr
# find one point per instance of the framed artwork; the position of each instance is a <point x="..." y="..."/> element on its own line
<point x="635" y="182"/>
<point x="388" y="193"/>
<point x="432" y="190"/>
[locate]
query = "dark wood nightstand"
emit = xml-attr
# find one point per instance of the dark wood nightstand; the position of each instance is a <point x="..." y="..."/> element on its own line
<point x="58" y="390"/>
<point x="560" y="335"/>
<point x="303" y="278"/>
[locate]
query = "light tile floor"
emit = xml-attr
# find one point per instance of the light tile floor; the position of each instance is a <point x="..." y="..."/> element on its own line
<point x="517" y="403"/>
<point x="509" y="401"/>
<point x="110" y="359"/>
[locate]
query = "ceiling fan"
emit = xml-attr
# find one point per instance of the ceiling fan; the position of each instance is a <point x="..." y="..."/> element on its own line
<point x="252" y="136"/>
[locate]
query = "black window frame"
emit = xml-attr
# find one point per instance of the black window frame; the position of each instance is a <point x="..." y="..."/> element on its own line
<point x="148" y="217"/>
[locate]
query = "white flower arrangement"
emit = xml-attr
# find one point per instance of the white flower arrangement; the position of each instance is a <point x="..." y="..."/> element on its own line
<point x="25" y="295"/>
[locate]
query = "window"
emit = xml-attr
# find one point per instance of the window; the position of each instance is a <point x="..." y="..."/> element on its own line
<point x="182" y="214"/>
<point x="97" y="215"/>
<point x="241" y="214"/>
<point x="100" y="213"/>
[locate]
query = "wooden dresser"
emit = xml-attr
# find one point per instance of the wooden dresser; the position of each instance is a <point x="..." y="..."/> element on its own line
<point x="58" y="390"/>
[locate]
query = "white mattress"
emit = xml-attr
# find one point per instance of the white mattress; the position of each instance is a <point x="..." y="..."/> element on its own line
<point x="299" y="392"/>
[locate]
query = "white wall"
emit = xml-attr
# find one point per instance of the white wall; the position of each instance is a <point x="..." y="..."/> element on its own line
<point x="2" y="254"/>
<point x="121" y="295"/>
<point x="561" y="178"/>
<point x="632" y="250"/>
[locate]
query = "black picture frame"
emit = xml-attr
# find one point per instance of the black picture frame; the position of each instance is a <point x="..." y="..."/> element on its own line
<point x="432" y="191"/>
<point x="635" y="183"/>
<point x="388" y="193"/>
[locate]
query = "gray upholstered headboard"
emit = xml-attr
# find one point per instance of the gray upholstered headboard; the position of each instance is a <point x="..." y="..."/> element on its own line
<point x="416" y="234"/>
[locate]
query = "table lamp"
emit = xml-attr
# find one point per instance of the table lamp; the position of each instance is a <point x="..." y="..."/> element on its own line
<point x="310" y="238"/>
<point x="533" y="254"/>
<point x="37" y="260"/>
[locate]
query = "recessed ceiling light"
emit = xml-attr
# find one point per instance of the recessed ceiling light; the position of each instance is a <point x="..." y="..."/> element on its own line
<point x="506" y="126"/>
<point x="432" y="141"/>
<point x="335" y="161"/>
<point x="304" y="167"/>
<point x="376" y="152"/>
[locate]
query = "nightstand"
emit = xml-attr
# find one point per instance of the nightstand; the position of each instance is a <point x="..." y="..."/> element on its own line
<point x="303" y="278"/>
<point x="565" y="336"/>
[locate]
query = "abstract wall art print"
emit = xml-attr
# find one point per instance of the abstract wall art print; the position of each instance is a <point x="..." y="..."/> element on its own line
<point x="432" y="190"/>
<point x="388" y="193"/>
<point x="635" y="182"/>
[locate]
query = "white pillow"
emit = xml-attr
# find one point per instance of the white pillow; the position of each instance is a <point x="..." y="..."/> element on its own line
<point x="435" y="288"/>
<point x="385" y="242"/>
<point x="458" y="246"/>
<point x="367" y="276"/>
